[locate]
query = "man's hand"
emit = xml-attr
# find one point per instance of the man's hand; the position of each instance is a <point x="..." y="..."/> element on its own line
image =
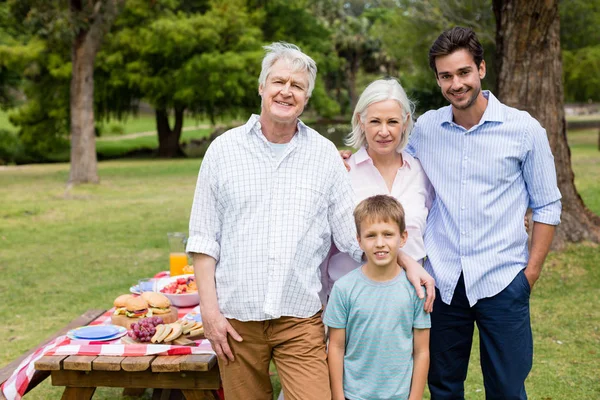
<point x="532" y="276"/>
<point x="346" y="154"/>
<point x="216" y="328"/>
<point x="418" y="277"/>
<point x="541" y="239"/>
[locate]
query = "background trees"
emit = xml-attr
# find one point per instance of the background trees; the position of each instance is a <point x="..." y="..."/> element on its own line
<point x="200" y="58"/>
<point x="528" y="40"/>
<point x="180" y="57"/>
<point x="580" y="41"/>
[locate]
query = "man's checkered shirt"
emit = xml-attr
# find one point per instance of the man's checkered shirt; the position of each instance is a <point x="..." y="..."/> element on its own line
<point x="269" y="221"/>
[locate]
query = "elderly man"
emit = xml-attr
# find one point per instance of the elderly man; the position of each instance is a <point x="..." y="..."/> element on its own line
<point x="270" y="196"/>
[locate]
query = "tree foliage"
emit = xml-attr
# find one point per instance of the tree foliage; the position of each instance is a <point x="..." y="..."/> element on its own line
<point x="580" y="41"/>
<point x="37" y="49"/>
<point x="408" y="32"/>
<point x="202" y="57"/>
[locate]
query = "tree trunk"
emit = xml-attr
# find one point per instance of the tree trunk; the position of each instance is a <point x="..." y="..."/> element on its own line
<point x="168" y="139"/>
<point x="95" y="22"/>
<point x="530" y="78"/>
<point x="83" y="139"/>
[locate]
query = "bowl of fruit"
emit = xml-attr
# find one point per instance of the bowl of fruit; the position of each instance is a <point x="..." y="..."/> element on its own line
<point x="180" y="289"/>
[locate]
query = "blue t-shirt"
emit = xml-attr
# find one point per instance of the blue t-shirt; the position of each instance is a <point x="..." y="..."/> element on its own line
<point x="379" y="318"/>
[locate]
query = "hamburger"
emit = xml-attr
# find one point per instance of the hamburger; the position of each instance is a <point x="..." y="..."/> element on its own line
<point x="137" y="307"/>
<point x="119" y="304"/>
<point x="158" y="303"/>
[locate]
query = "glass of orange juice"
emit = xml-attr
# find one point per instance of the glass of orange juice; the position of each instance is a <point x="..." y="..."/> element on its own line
<point x="178" y="258"/>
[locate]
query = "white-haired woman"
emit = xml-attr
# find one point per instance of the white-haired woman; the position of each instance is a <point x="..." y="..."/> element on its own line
<point x="381" y="124"/>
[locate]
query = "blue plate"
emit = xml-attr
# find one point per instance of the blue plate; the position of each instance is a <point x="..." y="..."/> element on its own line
<point x="135" y="289"/>
<point x="121" y="332"/>
<point x="95" y="332"/>
<point x="193" y="316"/>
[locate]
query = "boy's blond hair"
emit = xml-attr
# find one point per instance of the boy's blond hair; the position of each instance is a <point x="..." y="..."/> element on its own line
<point x="379" y="208"/>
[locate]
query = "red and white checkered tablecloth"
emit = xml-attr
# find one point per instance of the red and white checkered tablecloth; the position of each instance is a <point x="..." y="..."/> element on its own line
<point x="16" y="385"/>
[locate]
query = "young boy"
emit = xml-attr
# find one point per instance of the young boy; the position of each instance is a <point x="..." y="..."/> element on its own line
<point x="379" y="333"/>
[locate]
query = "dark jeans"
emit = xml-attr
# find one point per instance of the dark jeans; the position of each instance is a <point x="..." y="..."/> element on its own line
<point x="505" y="342"/>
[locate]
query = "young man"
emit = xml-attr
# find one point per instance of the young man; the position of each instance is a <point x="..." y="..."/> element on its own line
<point x="379" y="332"/>
<point x="488" y="163"/>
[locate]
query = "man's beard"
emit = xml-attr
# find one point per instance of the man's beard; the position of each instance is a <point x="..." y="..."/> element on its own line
<point x="469" y="103"/>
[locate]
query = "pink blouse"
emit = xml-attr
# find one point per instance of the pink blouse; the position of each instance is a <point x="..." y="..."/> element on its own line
<point x="411" y="187"/>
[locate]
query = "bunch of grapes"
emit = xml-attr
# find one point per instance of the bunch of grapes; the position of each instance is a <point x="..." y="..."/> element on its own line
<point x="144" y="329"/>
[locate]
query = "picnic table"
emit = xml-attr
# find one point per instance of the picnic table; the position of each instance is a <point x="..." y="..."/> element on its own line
<point x="194" y="376"/>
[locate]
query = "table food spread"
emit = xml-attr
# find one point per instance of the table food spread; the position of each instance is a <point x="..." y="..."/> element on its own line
<point x="137" y="326"/>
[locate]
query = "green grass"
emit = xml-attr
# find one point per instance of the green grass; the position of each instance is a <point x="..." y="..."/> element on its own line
<point x="586" y="165"/>
<point x="62" y="253"/>
<point x="5" y="123"/>
<point x="116" y="148"/>
<point x="142" y="122"/>
<point x="589" y="117"/>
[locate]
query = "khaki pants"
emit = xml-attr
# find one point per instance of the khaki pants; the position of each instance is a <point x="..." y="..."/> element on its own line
<point x="296" y="345"/>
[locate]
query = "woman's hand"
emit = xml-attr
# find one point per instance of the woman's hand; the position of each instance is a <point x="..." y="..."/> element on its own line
<point x="346" y="154"/>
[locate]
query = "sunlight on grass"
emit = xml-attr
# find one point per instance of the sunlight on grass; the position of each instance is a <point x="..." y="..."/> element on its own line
<point x="142" y="122"/>
<point x="65" y="252"/>
<point x="111" y="149"/>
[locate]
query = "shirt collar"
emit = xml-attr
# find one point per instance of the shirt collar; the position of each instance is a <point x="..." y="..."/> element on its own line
<point x="253" y="125"/>
<point x="493" y="111"/>
<point x="362" y="156"/>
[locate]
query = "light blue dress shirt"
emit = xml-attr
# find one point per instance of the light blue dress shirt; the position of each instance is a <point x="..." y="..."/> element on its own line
<point x="485" y="178"/>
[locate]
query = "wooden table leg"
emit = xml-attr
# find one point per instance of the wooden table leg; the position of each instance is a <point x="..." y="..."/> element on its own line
<point x="194" y="394"/>
<point x="78" y="393"/>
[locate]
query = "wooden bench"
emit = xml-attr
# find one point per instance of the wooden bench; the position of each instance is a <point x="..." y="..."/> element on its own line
<point x="39" y="376"/>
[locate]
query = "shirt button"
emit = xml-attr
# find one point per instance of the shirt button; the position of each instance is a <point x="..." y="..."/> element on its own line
<point x="462" y="208"/>
<point x="466" y="158"/>
<point x="463" y="233"/>
<point x="464" y="182"/>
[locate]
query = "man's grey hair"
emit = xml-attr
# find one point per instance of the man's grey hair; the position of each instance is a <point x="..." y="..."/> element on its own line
<point x="297" y="60"/>
<point x="381" y="90"/>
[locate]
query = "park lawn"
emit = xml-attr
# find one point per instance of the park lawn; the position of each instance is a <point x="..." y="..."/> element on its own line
<point x="142" y="122"/>
<point x="117" y="148"/>
<point x="64" y="252"/>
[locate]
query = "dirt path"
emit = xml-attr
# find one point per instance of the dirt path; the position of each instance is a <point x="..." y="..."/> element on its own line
<point x="148" y="133"/>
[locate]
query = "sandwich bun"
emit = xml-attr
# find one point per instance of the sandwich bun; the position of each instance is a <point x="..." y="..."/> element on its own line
<point x="136" y="304"/>
<point x="156" y="300"/>
<point x="122" y="300"/>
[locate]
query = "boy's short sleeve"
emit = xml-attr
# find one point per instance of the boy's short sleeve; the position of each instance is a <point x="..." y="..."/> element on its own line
<point x="336" y="313"/>
<point x="421" y="319"/>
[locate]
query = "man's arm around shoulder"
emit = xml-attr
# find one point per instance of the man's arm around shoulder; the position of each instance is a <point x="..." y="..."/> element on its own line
<point x="216" y="326"/>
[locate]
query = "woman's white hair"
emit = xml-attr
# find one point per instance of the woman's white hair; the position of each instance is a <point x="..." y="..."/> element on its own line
<point x="381" y="90"/>
<point x="296" y="59"/>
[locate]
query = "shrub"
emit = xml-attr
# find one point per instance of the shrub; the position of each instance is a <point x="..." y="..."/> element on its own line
<point x="11" y="148"/>
<point x="115" y="128"/>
